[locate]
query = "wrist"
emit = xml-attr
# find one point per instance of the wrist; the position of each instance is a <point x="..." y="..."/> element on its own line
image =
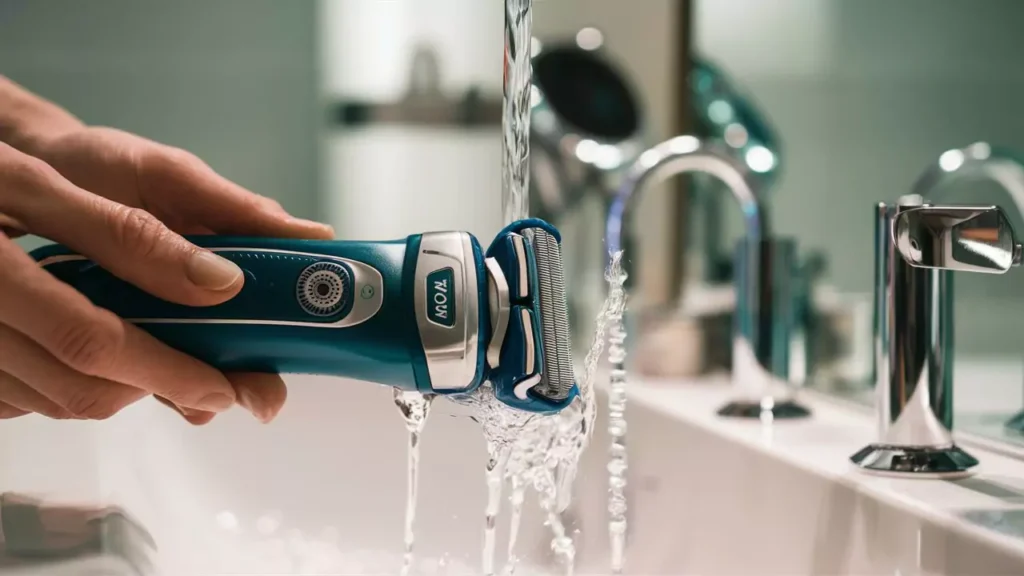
<point x="28" y="122"/>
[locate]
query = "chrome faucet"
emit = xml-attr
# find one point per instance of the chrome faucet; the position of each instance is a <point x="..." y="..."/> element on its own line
<point x="764" y="268"/>
<point x="917" y="246"/>
<point x="979" y="161"/>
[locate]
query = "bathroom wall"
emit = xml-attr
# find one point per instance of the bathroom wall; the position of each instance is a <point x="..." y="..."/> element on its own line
<point x="388" y="181"/>
<point x="234" y="81"/>
<point x="865" y="95"/>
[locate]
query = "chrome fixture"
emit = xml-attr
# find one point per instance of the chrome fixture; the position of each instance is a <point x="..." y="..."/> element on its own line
<point x="761" y="330"/>
<point x="979" y="161"/>
<point x="722" y="113"/>
<point x="586" y="123"/>
<point x="917" y="246"/>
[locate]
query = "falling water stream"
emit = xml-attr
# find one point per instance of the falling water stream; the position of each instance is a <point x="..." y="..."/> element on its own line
<point x="617" y="413"/>
<point x="527" y="450"/>
<point x="415" y="408"/>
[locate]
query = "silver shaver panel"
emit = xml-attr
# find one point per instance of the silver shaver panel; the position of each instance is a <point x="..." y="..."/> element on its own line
<point x="450" y="349"/>
<point x="557" y="378"/>
<point x="500" y="308"/>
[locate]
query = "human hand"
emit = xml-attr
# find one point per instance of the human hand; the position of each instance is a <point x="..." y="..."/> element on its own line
<point x="122" y="201"/>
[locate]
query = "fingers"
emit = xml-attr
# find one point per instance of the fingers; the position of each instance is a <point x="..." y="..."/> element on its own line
<point x="129" y="242"/>
<point x="194" y="417"/>
<point x="69" y="393"/>
<point x="262" y="394"/>
<point x="17" y="394"/>
<point x="220" y="204"/>
<point x="8" y="412"/>
<point x="11" y="227"/>
<point x="83" y="338"/>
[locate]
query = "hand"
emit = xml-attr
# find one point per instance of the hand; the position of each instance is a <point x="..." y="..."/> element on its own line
<point x="122" y="201"/>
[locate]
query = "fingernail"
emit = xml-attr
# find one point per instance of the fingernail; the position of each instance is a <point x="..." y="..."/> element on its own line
<point x="253" y="404"/>
<point x="326" y="230"/>
<point x="216" y="402"/>
<point x="208" y="270"/>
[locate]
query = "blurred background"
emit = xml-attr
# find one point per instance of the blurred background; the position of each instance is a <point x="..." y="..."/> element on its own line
<point x="863" y="96"/>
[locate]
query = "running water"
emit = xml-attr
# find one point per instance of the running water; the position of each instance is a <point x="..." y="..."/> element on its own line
<point x="414" y="407"/>
<point x="517" y="77"/>
<point x="617" y="463"/>
<point x="529" y="450"/>
<point x="516" y="500"/>
<point x="495" y="472"/>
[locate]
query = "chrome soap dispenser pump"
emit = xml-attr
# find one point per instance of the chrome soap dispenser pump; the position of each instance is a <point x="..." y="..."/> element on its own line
<point x="917" y="248"/>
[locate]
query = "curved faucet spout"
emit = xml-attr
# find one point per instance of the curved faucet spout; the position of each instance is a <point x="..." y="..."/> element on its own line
<point x="763" y="265"/>
<point x="979" y="161"/>
<point x="681" y="155"/>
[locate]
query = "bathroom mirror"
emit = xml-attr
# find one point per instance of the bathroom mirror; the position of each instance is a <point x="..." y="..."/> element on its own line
<point x="873" y="100"/>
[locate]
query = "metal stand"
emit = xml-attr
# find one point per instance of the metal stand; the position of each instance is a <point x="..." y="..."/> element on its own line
<point x="950" y="461"/>
<point x="765" y="410"/>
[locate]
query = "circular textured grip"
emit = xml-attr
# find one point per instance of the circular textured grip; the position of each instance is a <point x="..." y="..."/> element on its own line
<point x="321" y="288"/>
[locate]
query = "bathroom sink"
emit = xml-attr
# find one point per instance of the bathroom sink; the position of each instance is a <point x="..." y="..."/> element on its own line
<point x="322" y="491"/>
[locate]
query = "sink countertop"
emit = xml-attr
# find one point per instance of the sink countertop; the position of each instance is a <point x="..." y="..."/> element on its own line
<point x="989" y="505"/>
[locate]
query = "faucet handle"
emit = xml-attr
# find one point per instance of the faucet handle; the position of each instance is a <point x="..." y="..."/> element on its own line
<point x="964" y="238"/>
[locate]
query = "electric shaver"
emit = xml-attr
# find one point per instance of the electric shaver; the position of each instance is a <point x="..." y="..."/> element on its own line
<point x="433" y="312"/>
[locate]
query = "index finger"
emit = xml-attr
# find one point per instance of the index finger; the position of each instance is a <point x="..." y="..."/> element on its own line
<point x="218" y="203"/>
<point x="95" y="342"/>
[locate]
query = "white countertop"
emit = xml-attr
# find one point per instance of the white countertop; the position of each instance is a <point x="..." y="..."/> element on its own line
<point x="988" y="505"/>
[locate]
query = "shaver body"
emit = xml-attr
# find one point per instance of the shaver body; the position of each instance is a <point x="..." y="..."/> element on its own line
<point x="417" y="314"/>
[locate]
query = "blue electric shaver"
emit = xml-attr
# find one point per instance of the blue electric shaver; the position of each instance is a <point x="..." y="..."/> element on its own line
<point x="432" y="313"/>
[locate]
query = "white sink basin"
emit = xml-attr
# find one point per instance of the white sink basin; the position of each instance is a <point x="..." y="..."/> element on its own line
<point x="327" y="481"/>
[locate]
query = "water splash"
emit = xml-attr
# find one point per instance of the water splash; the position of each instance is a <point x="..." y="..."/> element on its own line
<point x="415" y="408"/>
<point x="617" y="463"/>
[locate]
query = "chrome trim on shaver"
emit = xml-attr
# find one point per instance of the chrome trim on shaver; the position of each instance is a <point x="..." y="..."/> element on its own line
<point x="530" y="364"/>
<point x="363" y="275"/>
<point x="519" y="247"/>
<point x="451" y="351"/>
<point x="500" y="308"/>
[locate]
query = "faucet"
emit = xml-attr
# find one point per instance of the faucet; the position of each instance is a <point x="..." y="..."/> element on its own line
<point x="978" y="161"/>
<point x="917" y="246"/>
<point x="764" y="270"/>
<point x="722" y="112"/>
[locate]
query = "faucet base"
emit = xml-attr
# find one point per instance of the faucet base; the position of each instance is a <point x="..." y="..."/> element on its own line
<point x="914" y="462"/>
<point x="1016" y="424"/>
<point x="764" y="409"/>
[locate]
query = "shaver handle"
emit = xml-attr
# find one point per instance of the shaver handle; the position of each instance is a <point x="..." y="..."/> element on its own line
<point x="323" y="307"/>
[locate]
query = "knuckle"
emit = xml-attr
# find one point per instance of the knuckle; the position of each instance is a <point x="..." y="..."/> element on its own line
<point x="90" y="346"/>
<point x="23" y="172"/>
<point x="174" y="160"/>
<point x="137" y="230"/>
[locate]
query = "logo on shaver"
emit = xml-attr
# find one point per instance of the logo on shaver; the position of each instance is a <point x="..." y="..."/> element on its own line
<point x="441" y="297"/>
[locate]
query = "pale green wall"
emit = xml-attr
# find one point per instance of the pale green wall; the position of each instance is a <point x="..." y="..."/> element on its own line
<point x="866" y="93"/>
<point x="234" y="81"/>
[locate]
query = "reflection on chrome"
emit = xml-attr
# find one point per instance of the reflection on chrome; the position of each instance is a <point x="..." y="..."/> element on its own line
<point x="763" y="273"/>
<point x="914" y="257"/>
<point x="977" y="162"/>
